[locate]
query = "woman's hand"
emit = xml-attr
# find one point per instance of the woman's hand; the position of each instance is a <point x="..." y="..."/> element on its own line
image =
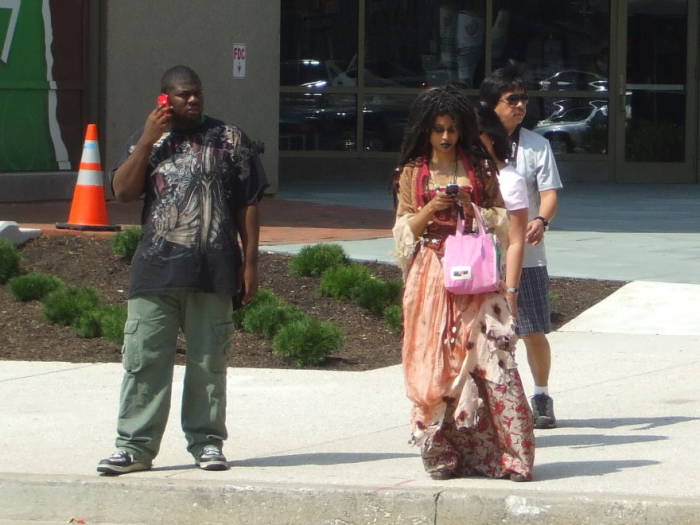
<point x="441" y="201"/>
<point x="464" y="199"/>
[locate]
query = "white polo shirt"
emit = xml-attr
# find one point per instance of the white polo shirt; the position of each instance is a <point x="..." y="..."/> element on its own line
<point x="535" y="161"/>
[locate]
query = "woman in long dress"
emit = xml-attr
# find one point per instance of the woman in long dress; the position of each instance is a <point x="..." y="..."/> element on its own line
<point x="470" y="415"/>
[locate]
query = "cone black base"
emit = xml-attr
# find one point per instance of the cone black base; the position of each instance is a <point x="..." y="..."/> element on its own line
<point x="87" y="227"/>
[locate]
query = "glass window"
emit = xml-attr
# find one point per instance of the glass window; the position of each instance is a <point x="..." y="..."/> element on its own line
<point x="655" y="99"/>
<point x="565" y="45"/>
<point x="318" y="41"/>
<point x="572" y="125"/>
<point x="385" y="117"/>
<point x="317" y="121"/>
<point x="419" y="44"/>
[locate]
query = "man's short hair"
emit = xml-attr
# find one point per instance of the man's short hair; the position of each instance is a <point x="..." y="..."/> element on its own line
<point x="178" y="75"/>
<point x="507" y="78"/>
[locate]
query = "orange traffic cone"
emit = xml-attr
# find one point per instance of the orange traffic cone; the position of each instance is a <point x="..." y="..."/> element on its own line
<point x="88" y="210"/>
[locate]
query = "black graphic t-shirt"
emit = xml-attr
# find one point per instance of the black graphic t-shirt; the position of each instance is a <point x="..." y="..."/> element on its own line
<point x="196" y="182"/>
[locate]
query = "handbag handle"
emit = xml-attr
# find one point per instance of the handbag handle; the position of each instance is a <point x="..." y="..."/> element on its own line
<point x="459" y="230"/>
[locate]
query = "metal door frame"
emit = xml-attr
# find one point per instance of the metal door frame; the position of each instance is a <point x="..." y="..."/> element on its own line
<point x="644" y="172"/>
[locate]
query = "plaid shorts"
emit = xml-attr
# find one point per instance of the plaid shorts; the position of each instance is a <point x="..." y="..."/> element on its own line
<point x="533" y="302"/>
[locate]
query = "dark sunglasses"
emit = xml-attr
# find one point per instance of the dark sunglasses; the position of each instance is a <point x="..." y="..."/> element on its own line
<point x="514" y="98"/>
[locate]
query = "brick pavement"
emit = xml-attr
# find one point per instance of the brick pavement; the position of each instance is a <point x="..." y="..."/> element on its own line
<point x="282" y="221"/>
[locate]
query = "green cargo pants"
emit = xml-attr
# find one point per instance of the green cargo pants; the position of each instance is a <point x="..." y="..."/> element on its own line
<point x="150" y="337"/>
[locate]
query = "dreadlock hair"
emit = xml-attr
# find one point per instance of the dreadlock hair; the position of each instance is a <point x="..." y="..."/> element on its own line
<point x="507" y="78"/>
<point x="451" y="100"/>
<point x="445" y="100"/>
<point x="490" y="124"/>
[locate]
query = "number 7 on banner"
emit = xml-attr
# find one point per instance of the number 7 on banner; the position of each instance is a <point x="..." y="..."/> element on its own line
<point x="13" y="6"/>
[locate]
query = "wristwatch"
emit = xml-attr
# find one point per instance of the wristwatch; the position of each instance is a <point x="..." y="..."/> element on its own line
<point x="512" y="290"/>
<point x="545" y="222"/>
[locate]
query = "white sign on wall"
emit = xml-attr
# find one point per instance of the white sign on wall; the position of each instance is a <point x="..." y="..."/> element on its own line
<point x="239" y="60"/>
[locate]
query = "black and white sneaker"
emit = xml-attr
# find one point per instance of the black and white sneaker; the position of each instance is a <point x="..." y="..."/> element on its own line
<point x="543" y="411"/>
<point x="121" y="462"/>
<point x="211" y="458"/>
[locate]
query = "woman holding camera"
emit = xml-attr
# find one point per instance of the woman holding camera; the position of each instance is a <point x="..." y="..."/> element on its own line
<point x="470" y="415"/>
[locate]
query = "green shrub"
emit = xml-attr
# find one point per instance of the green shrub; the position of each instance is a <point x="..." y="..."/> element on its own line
<point x="338" y="282"/>
<point x="393" y="317"/>
<point x="66" y="304"/>
<point x="375" y="295"/>
<point x="33" y="286"/>
<point x="125" y="242"/>
<point x="263" y="296"/>
<point x="307" y="341"/>
<point x="9" y="261"/>
<point x="88" y="324"/>
<point x="112" y="320"/>
<point x="267" y="318"/>
<point x="316" y="259"/>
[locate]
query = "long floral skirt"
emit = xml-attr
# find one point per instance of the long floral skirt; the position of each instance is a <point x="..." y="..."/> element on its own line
<point x="470" y="413"/>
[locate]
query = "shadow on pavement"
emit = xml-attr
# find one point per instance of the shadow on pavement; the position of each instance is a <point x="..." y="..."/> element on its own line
<point x="325" y="458"/>
<point x="591" y="440"/>
<point x="645" y="423"/>
<point x="571" y="469"/>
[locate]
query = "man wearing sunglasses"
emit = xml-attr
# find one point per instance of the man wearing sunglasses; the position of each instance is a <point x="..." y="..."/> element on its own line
<point x="504" y="91"/>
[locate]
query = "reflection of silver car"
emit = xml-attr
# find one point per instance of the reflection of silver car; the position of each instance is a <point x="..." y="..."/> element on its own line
<point x="569" y="130"/>
<point x="574" y="79"/>
<point x="311" y="73"/>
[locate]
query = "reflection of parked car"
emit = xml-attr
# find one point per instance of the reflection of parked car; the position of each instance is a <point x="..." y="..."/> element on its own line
<point x="567" y="129"/>
<point x="319" y="121"/>
<point x="573" y="79"/>
<point x="309" y="72"/>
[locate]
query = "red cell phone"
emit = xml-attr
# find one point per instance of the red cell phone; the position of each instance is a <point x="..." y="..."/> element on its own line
<point x="164" y="101"/>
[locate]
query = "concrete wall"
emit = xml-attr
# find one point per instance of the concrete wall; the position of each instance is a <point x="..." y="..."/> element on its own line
<point x="142" y="39"/>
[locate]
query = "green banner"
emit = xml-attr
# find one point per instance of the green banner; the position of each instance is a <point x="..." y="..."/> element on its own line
<point x="26" y="122"/>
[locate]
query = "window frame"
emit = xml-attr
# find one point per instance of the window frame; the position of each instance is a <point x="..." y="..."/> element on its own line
<point x="362" y="92"/>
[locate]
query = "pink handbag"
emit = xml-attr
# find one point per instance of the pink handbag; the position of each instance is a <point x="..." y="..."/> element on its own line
<point x="470" y="262"/>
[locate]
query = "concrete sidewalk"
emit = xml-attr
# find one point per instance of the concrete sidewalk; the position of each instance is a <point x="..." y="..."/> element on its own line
<point x="330" y="447"/>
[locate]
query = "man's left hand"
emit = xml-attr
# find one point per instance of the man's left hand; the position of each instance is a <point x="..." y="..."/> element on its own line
<point x="534" y="232"/>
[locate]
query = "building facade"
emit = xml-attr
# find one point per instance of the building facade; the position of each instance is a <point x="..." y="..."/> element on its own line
<point x="326" y="84"/>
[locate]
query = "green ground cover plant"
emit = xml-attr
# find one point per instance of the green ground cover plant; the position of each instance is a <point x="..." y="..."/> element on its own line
<point x="78" y="307"/>
<point x="375" y="294"/>
<point x="9" y="261"/>
<point x="125" y="242"/>
<point x="348" y="281"/>
<point x="316" y="259"/>
<point x="307" y="341"/>
<point x="339" y="281"/>
<point x="33" y="286"/>
<point x="295" y="336"/>
<point x="112" y="321"/>
<point x="267" y="319"/>
<point x="67" y="304"/>
<point x="393" y="315"/>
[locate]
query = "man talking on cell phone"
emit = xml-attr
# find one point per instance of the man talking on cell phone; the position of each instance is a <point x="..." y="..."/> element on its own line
<point x="504" y="91"/>
<point x="201" y="183"/>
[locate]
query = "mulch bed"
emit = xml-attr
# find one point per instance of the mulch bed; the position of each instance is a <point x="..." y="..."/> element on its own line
<point x="84" y="261"/>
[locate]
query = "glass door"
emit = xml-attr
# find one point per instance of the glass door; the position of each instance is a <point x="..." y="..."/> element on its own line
<point x="656" y="91"/>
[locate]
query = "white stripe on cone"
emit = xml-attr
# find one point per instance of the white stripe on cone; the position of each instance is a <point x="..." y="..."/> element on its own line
<point x="90" y="178"/>
<point x="91" y="154"/>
